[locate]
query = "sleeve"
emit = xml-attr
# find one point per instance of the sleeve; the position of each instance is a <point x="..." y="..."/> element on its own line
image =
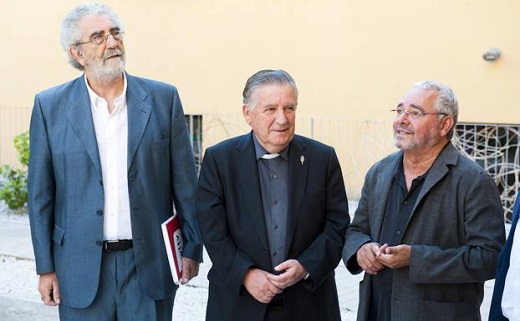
<point x="324" y="253"/>
<point x="229" y="263"/>
<point x="41" y="191"/>
<point x="358" y="232"/>
<point x="184" y="180"/>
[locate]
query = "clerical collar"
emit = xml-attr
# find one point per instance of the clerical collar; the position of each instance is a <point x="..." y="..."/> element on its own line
<point x="260" y="150"/>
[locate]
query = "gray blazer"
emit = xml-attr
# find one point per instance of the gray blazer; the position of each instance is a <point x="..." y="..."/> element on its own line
<point x="66" y="188"/>
<point x="456" y="231"/>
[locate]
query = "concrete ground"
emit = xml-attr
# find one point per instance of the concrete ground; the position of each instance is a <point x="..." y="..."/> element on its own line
<point x="20" y="301"/>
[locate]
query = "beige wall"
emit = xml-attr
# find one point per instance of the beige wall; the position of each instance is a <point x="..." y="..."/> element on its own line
<point x="351" y="59"/>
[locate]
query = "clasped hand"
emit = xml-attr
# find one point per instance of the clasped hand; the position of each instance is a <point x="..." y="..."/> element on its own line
<point x="263" y="286"/>
<point x="373" y="257"/>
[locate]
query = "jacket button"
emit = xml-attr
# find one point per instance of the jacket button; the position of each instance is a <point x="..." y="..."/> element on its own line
<point x="99" y="212"/>
<point x="99" y="243"/>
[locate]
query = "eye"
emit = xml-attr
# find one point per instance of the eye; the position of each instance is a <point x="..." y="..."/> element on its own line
<point x="116" y="34"/>
<point x="415" y="114"/>
<point x="399" y="111"/>
<point x="97" y="38"/>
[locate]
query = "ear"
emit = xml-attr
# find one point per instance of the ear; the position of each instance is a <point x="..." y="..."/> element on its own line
<point x="77" y="55"/>
<point x="446" y="124"/>
<point x="247" y="114"/>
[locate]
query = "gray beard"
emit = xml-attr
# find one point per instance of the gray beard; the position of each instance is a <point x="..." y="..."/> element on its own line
<point x="108" y="72"/>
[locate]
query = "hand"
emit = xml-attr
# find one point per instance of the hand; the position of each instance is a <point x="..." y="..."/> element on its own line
<point x="49" y="289"/>
<point x="394" y="257"/>
<point x="292" y="272"/>
<point x="190" y="269"/>
<point x="366" y="258"/>
<point x="258" y="285"/>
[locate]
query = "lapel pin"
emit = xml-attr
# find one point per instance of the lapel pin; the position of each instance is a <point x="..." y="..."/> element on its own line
<point x="302" y="159"/>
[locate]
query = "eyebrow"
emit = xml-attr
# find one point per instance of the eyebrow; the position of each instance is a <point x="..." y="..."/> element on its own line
<point x="413" y="106"/>
<point x="100" y="32"/>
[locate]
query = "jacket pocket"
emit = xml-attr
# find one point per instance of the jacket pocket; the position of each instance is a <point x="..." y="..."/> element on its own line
<point x="57" y="235"/>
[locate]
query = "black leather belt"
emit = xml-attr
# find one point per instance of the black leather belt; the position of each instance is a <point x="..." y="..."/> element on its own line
<point x="119" y="245"/>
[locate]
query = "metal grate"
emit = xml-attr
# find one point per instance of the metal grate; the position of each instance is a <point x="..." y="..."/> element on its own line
<point x="495" y="147"/>
<point x="194" y="123"/>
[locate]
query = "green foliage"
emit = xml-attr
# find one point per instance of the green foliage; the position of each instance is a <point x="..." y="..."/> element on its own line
<point x="13" y="182"/>
<point x="13" y="187"/>
<point x="21" y="143"/>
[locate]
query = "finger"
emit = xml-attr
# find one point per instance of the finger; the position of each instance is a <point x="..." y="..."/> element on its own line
<point x="57" y="296"/>
<point x="282" y="266"/>
<point x="186" y="274"/>
<point x="390" y="250"/>
<point x="47" y="300"/>
<point x="275" y="281"/>
<point x="276" y="284"/>
<point x="190" y="270"/>
<point x="382" y="249"/>
<point x="275" y="290"/>
<point x="370" y="271"/>
<point x="185" y="278"/>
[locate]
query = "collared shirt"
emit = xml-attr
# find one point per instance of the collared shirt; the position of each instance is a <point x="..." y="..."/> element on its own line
<point x="511" y="295"/>
<point x="112" y="139"/>
<point x="274" y="183"/>
<point x="398" y="211"/>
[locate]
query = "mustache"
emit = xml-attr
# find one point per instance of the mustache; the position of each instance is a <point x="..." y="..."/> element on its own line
<point x="112" y="52"/>
<point x="402" y="128"/>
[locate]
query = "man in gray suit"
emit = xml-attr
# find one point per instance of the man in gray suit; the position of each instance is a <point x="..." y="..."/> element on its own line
<point x="110" y="160"/>
<point x="429" y="224"/>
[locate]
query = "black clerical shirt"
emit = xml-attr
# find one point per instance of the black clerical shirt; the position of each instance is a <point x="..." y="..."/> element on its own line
<point x="274" y="183"/>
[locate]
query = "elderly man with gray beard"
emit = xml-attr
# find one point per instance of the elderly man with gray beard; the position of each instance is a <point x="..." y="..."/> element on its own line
<point x="429" y="224"/>
<point x="110" y="159"/>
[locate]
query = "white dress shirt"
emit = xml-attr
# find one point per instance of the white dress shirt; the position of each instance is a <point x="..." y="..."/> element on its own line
<point x="511" y="295"/>
<point x="112" y="140"/>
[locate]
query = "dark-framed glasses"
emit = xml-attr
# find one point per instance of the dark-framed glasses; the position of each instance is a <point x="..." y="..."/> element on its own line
<point x="101" y="38"/>
<point x="414" y="114"/>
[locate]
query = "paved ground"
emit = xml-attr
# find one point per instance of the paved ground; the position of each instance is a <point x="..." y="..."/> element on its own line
<point x="19" y="300"/>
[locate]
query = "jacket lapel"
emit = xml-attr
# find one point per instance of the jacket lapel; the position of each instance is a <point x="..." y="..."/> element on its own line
<point x="249" y="182"/>
<point x="383" y="184"/>
<point x="439" y="169"/>
<point x="139" y="111"/>
<point x="299" y="164"/>
<point x="80" y="118"/>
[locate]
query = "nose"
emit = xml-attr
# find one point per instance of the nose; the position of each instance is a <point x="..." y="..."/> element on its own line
<point x="111" y="41"/>
<point x="402" y="116"/>
<point x="281" y="118"/>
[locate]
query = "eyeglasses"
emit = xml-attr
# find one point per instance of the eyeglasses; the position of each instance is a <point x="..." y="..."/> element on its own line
<point x="100" y="38"/>
<point x="414" y="114"/>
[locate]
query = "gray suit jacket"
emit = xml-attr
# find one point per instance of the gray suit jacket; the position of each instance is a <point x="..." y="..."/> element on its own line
<point x="456" y="231"/>
<point x="66" y="188"/>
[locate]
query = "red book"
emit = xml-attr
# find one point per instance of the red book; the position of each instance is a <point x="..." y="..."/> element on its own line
<point x="172" y="235"/>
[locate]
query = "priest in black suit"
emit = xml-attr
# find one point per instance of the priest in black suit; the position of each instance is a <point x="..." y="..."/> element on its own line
<point x="273" y="211"/>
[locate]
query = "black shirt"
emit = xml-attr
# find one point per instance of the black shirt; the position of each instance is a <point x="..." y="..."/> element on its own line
<point x="398" y="210"/>
<point x="274" y="184"/>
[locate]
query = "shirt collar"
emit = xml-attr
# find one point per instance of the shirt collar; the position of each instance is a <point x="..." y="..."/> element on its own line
<point x="95" y="100"/>
<point x="260" y="150"/>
